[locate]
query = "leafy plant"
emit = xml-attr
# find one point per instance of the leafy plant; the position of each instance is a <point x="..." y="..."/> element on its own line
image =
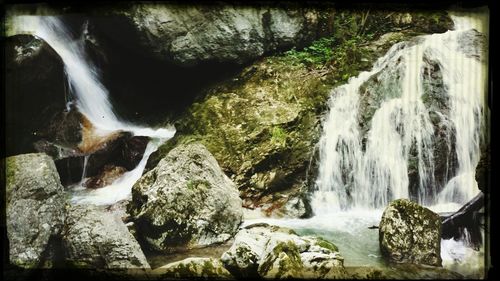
<point x="278" y="136"/>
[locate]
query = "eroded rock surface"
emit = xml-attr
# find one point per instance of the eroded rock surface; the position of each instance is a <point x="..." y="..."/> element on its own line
<point x="186" y="201"/>
<point x="95" y="238"/>
<point x="35" y="207"/>
<point x="410" y="233"/>
<point x="272" y="252"/>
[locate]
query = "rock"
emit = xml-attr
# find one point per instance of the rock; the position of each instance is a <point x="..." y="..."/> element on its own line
<point x="35" y="207"/>
<point x="186" y="201"/>
<point x="410" y="233"/>
<point x="270" y="252"/>
<point x="474" y="44"/>
<point x="194" y="34"/>
<point x="262" y="125"/>
<point x="107" y="176"/>
<point x="94" y="238"/>
<point x="193" y="268"/>
<point x="34" y="91"/>
<point x="119" y="149"/>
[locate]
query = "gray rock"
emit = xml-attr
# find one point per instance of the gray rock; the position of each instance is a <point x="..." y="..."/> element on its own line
<point x="95" y="238"/>
<point x="193" y="34"/>
<point x="271" y="252"/>
<point x="186" y="201"/>
<point x="410" y="233"/>
<point x="35" y="207"/>
<point x="474" y="44"/>
<point x="34" y="91"/>
<point x="193" y="268"/>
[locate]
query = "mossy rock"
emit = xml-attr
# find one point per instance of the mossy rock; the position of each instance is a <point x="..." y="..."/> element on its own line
<point x="202" y="268"/>
<point x="262" y="125"/>
<point x="410" y="233"/>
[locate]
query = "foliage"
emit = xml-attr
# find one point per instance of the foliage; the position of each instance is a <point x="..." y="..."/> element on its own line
<point x="278" y="136"/>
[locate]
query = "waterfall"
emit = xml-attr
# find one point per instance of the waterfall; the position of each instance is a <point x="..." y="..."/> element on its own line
<point x="380" y="135"/>
<point x="84" y="81"/>
<point x="91" y="99"/>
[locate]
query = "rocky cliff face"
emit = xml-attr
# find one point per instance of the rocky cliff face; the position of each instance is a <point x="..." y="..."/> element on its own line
<point x="217" y="32"/>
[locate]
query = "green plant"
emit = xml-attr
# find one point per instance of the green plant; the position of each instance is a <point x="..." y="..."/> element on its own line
<point x="278" y="136"/>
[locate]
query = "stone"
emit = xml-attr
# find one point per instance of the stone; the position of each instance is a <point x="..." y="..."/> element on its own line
<point x="35" y="207"/>
<point x="410" y="233"/>
<point x="263" y="124"/>
<point x="273" y="252"/>
<point x="34" y="91"/>
<point x="186" y="201"/>
<point x="191" y="35"/>
<point x="94" y="238"/>
<point x="194" y="267"/>
<point x="107" y="176"/>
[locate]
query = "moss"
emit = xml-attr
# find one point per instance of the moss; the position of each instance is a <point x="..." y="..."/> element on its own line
<point x="278" y="136"/>
<point x="267" y="118"/>
<point x="10" y="172"/>
<point x="320" y="241"/>
<point x="290" y="264"/>
<point x="197" y="184"/>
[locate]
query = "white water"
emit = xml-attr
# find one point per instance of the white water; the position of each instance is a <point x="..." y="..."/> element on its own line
<point x="91" y="98"/>
<point x="353" y="176"/>
<point x="355" y="183"/>
<point x="119" y="190"/>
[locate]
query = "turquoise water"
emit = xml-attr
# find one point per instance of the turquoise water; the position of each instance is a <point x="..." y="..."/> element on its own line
<point x="349" y="231"/>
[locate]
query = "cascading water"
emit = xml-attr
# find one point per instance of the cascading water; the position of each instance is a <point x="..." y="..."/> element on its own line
<point x="91" y="98"/>
<point x="381" y="139"/>
<point x="365" y="163"/>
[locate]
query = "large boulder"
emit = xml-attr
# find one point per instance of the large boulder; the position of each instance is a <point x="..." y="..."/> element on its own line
<point x="410" y="233"/>
<point x="271" y="252"/>
<point x="34" y="91"/>
<point x="186" y="201"/>
<point x="193" y="268"/>
<point x="94" y="238"/>
<point x="35" y="208"/>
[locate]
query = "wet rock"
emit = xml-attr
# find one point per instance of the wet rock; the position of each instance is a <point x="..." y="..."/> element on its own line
<point x="474" y="44"/>
<point x="410" y="233"/>
<point x="35" y="208"/>
<point x="34" y="91"/>
<point x="107" y="176"/>
<point x="132" y="151"/>
<point x="95" y="238"/>
<point x="262" y="125"/>
<point x="271" y="252"/>
<point x="193" y="268"/>
<point x="185" y="202"/>
<point x="119" y="149"/>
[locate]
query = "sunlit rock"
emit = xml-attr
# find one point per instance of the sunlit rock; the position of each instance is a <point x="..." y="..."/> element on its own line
<point x="186" y="201"/>
<point x="35" y="207"/>
<point x="95" y="238"/>
<point x="194" y="268"/>
<point x="272" y="252"/>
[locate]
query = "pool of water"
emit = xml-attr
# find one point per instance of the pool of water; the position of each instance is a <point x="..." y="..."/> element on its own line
<point x="353" y="233"/>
